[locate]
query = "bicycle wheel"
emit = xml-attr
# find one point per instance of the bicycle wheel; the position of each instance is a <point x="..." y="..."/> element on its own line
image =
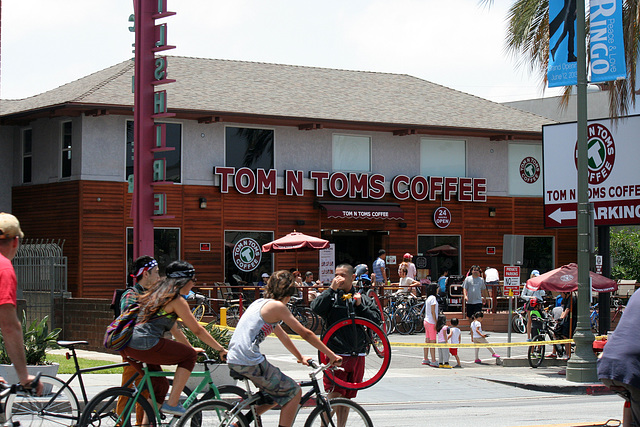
<point x="58" y="405"/>
<point x="403" y="321"/>
<point x="212" y="413"/>
<point x="101" y="410"/>
<point x="389" y="326"/>
<point x="417" y="312"/>
<point x="344" y="412"/>
<point x="357" y="336"/>
<point x="374" y="296"/>
<point x="535" y="355"/>
<point x="233" y="315"/>
<point x="198" y="311"/>
<point x="518" y="324"/>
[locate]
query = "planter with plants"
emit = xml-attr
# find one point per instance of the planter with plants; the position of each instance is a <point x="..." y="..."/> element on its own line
<point x="37" y="340"/>
<point x="220" y="372"/>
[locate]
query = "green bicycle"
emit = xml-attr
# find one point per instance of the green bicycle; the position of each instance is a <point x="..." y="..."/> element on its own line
<point x="101" y="410"/>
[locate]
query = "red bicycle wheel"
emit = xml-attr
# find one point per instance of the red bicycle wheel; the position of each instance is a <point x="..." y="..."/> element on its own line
<point x="365" y="339"/>
<point x="374" y="296"/>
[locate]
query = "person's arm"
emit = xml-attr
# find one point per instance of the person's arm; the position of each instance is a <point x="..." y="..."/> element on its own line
<point x="322" y="304"/>
<point x="277" y="311"/>
<point x="179" y="336"/>
<point x="485" y="292"/>
<point x="464" y="291"/>
<point x="14" y="344"/>
<point x="383" y="269"/>
<point x="433" y="312"/>
<point x="181" y="308"/>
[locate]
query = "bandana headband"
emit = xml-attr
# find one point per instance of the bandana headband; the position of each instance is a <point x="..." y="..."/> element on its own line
<point x="148" y="266"/>
<point x="182" y="274"/>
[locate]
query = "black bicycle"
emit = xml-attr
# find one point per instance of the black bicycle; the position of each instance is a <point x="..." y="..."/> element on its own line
<point x="325" y="412"/>
<point x="547" y="330"/>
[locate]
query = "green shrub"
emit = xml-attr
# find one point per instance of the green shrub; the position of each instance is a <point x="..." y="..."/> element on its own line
<point x="223" y="336"/>
<point x="37" y="340"/>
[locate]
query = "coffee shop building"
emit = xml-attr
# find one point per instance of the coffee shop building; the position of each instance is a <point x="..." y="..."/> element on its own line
<point x="365" y="160"/>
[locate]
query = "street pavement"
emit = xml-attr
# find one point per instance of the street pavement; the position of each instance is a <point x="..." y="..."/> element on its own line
<point x="478" y="394"/>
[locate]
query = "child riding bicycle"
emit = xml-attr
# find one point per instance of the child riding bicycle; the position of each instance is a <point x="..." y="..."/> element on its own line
<point x="261" y="318"/>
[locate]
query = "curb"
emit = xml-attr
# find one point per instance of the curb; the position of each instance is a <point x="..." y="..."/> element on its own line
<point x="588" y="389"/>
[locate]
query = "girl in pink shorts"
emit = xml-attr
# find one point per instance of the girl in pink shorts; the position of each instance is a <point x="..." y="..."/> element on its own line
<point x="430" y="318"/>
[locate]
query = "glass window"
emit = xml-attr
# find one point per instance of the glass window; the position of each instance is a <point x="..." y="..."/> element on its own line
<point x="351" y="153"/>
<point x="166" y="242"/>
<point x="173" y="158"/>
<point x="243" y="259"/>
<point x="440" y="252"/>
<point x="250" y="148"/>
<point x="27" y="143"/>
<point x="443" y="157"/>
<point x="538" y="255"/>
<point x="67" y="137"/>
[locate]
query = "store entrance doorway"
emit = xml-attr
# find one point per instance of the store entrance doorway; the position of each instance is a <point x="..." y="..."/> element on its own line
<point x="356" y="246"/>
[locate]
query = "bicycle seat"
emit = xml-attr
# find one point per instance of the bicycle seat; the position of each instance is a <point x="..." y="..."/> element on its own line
<point x="236" y="376"/>
<point x="69" y="344"/>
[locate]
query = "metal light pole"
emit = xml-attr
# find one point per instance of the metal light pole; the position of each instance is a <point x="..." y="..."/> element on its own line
<point x="582" y="365"/>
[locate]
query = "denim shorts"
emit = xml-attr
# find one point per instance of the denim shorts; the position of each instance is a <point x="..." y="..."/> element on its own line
<point x="270" y="380"/>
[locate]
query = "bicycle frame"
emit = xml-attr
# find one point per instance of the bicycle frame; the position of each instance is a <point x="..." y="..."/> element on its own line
<point x="78" y="374"/>
<point x="145" y="384"/>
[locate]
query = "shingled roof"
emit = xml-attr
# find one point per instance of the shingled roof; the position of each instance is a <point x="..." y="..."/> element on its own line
<point x="274" y="90"/>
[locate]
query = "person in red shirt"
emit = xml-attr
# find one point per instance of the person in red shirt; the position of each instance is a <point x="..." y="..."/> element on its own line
<point x="10" y="235"/>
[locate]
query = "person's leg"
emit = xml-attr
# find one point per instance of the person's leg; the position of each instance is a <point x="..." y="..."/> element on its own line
<point x="289" y="410"/>
<point x="477" y="349"/>
<point x="529" y="327"/>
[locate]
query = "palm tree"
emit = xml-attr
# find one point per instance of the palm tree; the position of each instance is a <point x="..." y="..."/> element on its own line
<point x="528" y="40"/>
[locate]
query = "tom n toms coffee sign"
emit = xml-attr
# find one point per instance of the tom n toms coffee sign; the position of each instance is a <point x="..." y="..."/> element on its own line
<point x="247" y="254"/>
<point x="354" y="185"/>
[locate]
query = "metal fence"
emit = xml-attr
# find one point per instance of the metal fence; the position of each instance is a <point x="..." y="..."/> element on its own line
<point x="41" y="269"/>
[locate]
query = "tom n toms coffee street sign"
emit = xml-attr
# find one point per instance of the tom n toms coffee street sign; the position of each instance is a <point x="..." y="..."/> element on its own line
<point x="614" y="175"/>
<point x="247" y="254"/>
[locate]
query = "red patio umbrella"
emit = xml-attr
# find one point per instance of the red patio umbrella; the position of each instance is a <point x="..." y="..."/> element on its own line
<point x="296" y="242"/>
<point x="447" y="250"/>
<point x="565" y="279"/>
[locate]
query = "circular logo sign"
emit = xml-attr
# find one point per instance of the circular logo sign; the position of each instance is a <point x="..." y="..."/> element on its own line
<point x="601" y="153"/>
<point x="566" y="277"/>
<point x="247" y="254"/>
<point x="529" y="170"/>
<point x="442" y="217"/>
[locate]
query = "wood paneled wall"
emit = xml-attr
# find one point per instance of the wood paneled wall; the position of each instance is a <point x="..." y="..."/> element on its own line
<point x="92" y="216"/>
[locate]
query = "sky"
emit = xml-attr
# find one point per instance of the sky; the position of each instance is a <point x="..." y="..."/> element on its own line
<point x="454" y="43"/>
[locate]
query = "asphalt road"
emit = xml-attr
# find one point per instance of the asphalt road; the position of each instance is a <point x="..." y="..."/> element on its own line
<point x="478" y="394"/>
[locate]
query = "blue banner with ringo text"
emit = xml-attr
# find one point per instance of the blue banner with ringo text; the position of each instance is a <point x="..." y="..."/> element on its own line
<point x="606" y="44"/>
<point x="563" y="70"/>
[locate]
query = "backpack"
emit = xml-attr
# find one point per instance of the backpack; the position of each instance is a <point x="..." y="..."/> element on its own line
<point x="115" y="301"/>
<point x="120" y="331"/>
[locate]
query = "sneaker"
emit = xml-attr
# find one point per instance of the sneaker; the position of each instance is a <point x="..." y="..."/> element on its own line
<point x="446" y="366"/>
<point x="551" y="356"/>
<point x="434" y="364"/>
<point x="496" y="355"/>
<point x="478" y="361"/>
<point x="425" y="362"/>
<point x="173" y="410"/>
<point x="457" y="366"/>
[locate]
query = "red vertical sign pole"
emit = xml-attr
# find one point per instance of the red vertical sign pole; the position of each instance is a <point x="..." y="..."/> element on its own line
<point x="143" y="130"/>
<point x="148" y="105"/>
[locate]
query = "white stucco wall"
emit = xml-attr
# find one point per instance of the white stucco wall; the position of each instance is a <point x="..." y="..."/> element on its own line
<point x="101" y="155"/>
